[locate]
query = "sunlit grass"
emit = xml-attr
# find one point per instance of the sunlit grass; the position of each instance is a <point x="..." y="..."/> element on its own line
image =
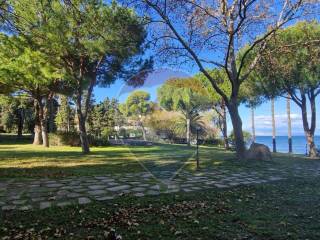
<point x="25" y="160"/>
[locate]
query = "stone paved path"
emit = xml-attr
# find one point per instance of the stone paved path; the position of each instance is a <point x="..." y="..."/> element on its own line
<point x="44" y="193"/>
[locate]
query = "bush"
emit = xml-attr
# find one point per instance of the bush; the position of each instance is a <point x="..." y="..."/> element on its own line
<point x="73" y="139"/>
<point x="246" y="135"/>
<point x="214" y="141"/>
<point x="98" y="142"/>
<point x="64" y="139"/>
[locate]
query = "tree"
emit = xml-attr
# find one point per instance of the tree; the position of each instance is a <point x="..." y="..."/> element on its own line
<point x="247" y="137"/>
<point x="165" y="125"/>
<point x="138" y="105"/>
<point x="27" y="70"/>
<point x="179" y="95"/>
<point x="65" y="115"/>
<point x="252" y="97"/>
<point x="210" y="33"/>
<point x="218" y="102"/>
<point x="274" y="144"/>
<point x="17" y="113"/>
<point x="294" y="71"/>
<point x="93" y="42"/>
<point x="289" y="124"/>
<point x="103" y="118"/>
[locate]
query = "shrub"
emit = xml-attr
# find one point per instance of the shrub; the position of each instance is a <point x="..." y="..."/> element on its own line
<point x="98" y="141"/>
<point x="246" y="135"/>
<point x="64" y="139"/>
<point x="166" y="125"/>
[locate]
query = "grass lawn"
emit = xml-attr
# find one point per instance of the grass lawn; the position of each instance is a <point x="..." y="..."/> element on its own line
<point x="17" y="160"/>
<point x="23" y="160"/>
<point x="287" y="209"/>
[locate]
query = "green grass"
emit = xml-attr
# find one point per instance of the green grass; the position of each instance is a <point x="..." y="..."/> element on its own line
<point x="21" y="160"/>
<point x="288" y="209"/>
<point x="26" y="160"/>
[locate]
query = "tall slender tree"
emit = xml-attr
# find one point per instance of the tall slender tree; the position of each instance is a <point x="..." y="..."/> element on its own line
<point x="253" y="125"/>
<point x="289" y="124"/>
<point x="273" y="120"/>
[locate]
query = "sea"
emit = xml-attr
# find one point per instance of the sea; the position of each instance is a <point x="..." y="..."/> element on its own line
<point x="298" y="143"/>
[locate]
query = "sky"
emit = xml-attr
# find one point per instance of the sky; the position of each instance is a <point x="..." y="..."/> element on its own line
<point x="263" y="125"/>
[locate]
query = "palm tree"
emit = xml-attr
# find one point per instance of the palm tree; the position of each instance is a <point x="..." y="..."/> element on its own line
<point x="289" y="124"/>
<point x="253" y="125"/>
<point x="274" y="145"/>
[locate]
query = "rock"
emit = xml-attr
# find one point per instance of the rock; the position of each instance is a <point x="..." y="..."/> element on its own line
<point x="258" y="152"/>
<point x="84" y="200"/>
<point x="44" y="205"/>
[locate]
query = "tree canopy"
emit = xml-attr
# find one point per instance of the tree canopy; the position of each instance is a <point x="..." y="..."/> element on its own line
<point x="291" y="65"/>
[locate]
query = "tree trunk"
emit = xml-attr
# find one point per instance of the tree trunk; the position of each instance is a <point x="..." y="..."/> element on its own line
<point x="37" y="140"/>
<point x="237" y="129"/>
<point x="68" y="119"/>
<point x="224" y="125"/>
<point x="144" y="135"/>
<point x="253" y="125"/>
<point x="43" y="122"/>
<point x="83" y="135"/>
<point x="309" y="131"/>
<point x="289" y="124"/>
<point x="20" y="122"/>
<point x="82" y="127"/>
<point x="188" y="131"/>
<point x="51" y="116"/>
<point x="313" y="152"/>
<point x="274" y="144"/>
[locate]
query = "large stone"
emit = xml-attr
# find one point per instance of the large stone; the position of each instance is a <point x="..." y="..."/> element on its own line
<point x="8" y="207"/>
<point x="119" y="188"/>
<point x="19" y="202"/>
<point x="84" y="200"/>
<point x="63" y="204"/>
<point x="44" y="205"/>
<point x="258" y="152"/>
<point x="96" y="192"/>
<point x="104" y="198"/>
<point x="96" y="187"/>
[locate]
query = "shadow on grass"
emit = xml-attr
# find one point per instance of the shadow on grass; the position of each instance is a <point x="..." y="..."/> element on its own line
<point x="21" y="160"/>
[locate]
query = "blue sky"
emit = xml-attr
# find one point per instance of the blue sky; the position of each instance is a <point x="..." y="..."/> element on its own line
<point x="262" y="113"/>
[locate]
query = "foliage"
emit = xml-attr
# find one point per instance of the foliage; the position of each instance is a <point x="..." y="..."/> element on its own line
<point x="179" y="95"/>
<point x="165" y="125"/>
<point x="16" y="113"/>
<point x="64" y="139"/>
<point x="92" y="42"/>
<point x="209" y="34"/>
<point x="103" y="117"/>
<point x="23" y="68"/>
<point x="246" y="135"/>
<point x="138" y="104"/>
<point x="294" y="70"/>
<point x="296" y="65"/>
<point x="65" y="115"/>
